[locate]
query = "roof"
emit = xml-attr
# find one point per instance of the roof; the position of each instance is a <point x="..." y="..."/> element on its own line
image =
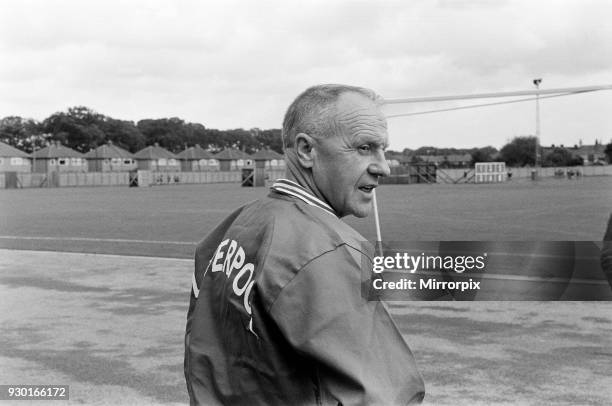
<point x="230" y="154"/>
<point x="8" y="151"/>
<point x="56" y="150"/>
<point x="266" y="154"/>
<point x="432" y="158"/>
<point x="589" y="149"/>
<point x="459" y="158"/>
<point x="108" y="151"/>
<point x="154" y="152"/>
<point x="194" y="153"/>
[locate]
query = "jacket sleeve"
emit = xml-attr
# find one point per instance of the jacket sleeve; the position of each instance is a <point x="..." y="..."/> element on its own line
<point x="361" y="357"/>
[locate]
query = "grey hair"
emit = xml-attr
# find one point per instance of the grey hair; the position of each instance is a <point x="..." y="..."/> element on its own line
<point x="313" y="111"/>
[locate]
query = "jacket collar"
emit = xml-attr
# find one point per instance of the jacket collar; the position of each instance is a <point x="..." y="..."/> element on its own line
<point x="291" y="188"/>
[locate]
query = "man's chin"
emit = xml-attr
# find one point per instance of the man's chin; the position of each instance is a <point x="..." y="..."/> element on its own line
<point x="361" y="212"/>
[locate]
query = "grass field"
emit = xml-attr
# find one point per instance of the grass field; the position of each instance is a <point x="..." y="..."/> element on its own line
<point x="112" y="326"/>
<point x="167" y="221"/>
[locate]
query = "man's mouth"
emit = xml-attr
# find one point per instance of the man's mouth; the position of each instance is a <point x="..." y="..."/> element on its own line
<point x="367" y="188"/>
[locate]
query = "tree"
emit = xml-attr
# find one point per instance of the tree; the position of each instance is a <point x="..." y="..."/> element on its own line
<point x="78" y="128"/>
<point x="483" y="154"/>
<point x="270" y="139"/>
<point x="170" y="133"/>
<point x="561" y="157"/>
<point x="608" y="152"/>
<point x="22" y="133"/>
<point x="520" y="151"/>
<point x="122" y="133"/>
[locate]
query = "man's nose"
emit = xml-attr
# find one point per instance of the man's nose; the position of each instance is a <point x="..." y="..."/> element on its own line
<point x="379" y="167"/>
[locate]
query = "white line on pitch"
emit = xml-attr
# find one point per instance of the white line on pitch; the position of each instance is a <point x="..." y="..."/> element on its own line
<point x="98" y="255"/>
<point x="15" y="237"/>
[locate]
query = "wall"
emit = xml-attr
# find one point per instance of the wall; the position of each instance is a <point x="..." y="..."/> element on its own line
<point x="67" y="179"/>
<point x="6" y="166"/>
<point x="525" y="173"/>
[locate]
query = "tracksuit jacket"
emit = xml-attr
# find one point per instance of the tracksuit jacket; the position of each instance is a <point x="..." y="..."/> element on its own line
<point x="277" y="314"/>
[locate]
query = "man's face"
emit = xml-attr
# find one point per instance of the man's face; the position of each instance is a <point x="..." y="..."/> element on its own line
<point x="347" y="165"/>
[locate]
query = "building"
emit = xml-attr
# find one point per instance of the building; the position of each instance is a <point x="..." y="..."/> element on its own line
<point x="271" y="159"/>
<point x="57" y="158"/>
<point x="448" y="161"/>
<point x="232" y="159"/>
<point x="13" y="159"/>
<point x="197" y="159"/>
<point x="591" y="154"/>
<point x="110" y="158"/>
<point x="156" y="158"/>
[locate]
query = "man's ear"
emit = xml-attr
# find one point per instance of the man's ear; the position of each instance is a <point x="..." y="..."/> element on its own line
<point x="304" y="148"/>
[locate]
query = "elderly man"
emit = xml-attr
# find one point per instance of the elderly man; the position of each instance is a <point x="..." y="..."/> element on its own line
<point x="277" y="315"/>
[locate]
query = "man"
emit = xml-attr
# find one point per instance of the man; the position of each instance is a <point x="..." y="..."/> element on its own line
<point x="277" y="315"/>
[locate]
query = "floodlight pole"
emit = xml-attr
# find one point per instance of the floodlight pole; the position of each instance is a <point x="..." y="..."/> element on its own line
<point x="537" y="82"/>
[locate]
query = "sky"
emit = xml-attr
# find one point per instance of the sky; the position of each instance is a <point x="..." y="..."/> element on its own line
<point x="232" y="64"/>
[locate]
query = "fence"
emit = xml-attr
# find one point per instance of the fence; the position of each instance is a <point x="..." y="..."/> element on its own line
<point x="466" y="175"/>
<point x="78" y="179"/>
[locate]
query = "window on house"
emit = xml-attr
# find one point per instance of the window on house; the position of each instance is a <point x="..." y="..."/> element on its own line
<point x="16" y="161"/>
<point x="240" y="162"/>
<point x="162" y="162"/>
<point x="116" y="161"/>
<point x="172" y="162"/>
<point x="127" y="162"/>
<point x="63" y="161"/>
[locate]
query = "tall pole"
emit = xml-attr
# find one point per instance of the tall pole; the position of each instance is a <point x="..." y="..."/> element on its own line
<point x="537" y="82"/>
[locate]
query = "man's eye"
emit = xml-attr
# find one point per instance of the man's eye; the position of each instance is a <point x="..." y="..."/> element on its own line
<point x="365" y="148"/>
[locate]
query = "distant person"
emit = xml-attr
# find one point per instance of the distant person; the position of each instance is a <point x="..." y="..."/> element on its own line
<point x="276" y="313"/>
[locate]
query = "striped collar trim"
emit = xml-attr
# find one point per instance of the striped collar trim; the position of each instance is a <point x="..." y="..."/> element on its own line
<point x="290" y="188"/>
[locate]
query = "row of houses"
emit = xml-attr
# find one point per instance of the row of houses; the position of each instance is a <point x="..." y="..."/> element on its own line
<point x="590" y="155"/>
<point x="112" y="158"/>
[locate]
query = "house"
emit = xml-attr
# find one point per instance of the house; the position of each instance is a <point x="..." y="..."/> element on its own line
<point x="232" y="159"/>
<point x="110" y="158"/>
<point x="13" y="159"/>
<point x="271" y="159"/>
<point x="197" y="159"/>
<point x="57" y="158"/>
<point x="448" y="161"/>
<point x="156" y="158"/>
<point x="591" y="154"/>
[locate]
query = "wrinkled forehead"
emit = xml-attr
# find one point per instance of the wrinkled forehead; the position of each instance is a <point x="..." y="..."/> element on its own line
<point x="357" y="114"/>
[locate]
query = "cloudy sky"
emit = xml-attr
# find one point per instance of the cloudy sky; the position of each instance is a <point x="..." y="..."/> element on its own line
<point x="239" y="64"/>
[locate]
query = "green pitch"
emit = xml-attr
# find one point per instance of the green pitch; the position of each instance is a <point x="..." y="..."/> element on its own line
<point x="167" y="220"/>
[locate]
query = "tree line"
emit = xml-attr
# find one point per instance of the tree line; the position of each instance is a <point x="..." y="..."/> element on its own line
<point x="83" y="129"/>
